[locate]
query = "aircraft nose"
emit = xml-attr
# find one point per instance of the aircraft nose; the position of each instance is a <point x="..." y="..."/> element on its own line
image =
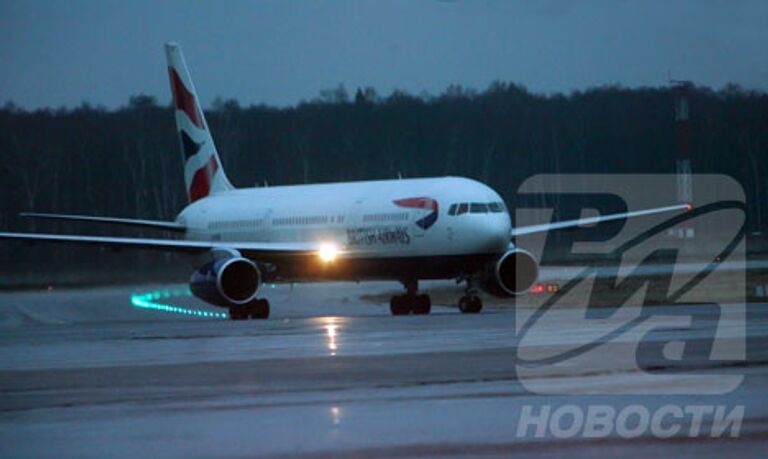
<point x="492" y="232"/>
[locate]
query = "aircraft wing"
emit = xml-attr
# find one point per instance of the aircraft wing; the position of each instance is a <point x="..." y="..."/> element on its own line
<point x="156" y="224"/>
<point x="595" y="220"/>
<point x="168" y="245"/>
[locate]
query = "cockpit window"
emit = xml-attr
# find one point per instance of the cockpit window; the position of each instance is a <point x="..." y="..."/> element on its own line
<point x="478" y="208"/>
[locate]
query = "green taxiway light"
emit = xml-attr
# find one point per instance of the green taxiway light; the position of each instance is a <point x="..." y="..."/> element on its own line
<point x="147" y="301"/>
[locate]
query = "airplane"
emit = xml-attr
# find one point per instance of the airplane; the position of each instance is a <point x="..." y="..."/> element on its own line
<point x="405" y="230"/>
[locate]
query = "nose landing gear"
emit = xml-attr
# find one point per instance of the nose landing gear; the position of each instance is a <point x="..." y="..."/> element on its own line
<point x="470" y="303"/>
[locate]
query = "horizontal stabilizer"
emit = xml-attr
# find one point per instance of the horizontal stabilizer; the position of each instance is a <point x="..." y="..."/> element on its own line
<point x="156" y="224"/>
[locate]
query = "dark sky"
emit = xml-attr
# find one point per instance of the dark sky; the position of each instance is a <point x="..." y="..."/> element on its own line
<point x="55" y="53"/>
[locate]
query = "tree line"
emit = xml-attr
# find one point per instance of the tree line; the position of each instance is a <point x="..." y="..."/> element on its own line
<point x="126" y="162"/>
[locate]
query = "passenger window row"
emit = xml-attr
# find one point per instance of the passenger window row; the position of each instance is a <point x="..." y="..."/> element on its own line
<point x="476" y="208"/>
<point x="308" y="220"/>
<point x="389" y="217"/>
<point x="303" y="220"/>
<point x="235" y="225"/>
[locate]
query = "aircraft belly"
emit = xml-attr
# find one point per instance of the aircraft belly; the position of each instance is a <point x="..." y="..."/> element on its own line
<point x="298" y="269"/>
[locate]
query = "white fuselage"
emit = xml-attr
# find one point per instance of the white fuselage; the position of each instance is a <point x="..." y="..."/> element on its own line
<point x="362" y="218"/>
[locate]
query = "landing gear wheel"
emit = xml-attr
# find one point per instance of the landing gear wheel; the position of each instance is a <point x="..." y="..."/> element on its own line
<point x="422" y="304"/>
<point x="411" y="302"/>
<point x="258" y="309"/>
<point x="470" y="304"/>
<point x="238" y="313"/>
<point x="399" y="305"/>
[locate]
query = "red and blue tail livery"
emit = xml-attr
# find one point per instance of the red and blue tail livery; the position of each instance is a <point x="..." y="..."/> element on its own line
<point x="203" y="174"/>
<point x="184" y="100"/>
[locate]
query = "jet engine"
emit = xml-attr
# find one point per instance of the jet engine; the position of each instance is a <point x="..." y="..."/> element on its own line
<point x="512" y="274"/>
<point x="226" y="281"/>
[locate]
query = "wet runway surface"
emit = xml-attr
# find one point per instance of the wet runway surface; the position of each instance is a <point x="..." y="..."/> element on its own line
<point x="83" y="373"/>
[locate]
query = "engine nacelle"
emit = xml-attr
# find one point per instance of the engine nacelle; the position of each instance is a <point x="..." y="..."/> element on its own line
<point x="512" y="274"/>
<point x="226" y="281"/>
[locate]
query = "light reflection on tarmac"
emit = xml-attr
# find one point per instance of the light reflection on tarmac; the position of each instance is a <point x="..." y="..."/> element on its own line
<point x="85" y="374"/>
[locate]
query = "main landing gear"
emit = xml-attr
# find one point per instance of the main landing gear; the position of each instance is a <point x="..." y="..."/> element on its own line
<point x="411" y="302"/>
<point x="256" y="309"/>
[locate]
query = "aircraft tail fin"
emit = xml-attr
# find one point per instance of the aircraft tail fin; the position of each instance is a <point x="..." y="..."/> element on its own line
<point x="203" y="172"/>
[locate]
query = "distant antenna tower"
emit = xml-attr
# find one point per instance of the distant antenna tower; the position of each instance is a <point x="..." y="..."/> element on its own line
<point x="681" y="93"/>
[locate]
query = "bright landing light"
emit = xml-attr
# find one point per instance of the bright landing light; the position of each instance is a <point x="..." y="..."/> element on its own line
<point x="328" y="252"/>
